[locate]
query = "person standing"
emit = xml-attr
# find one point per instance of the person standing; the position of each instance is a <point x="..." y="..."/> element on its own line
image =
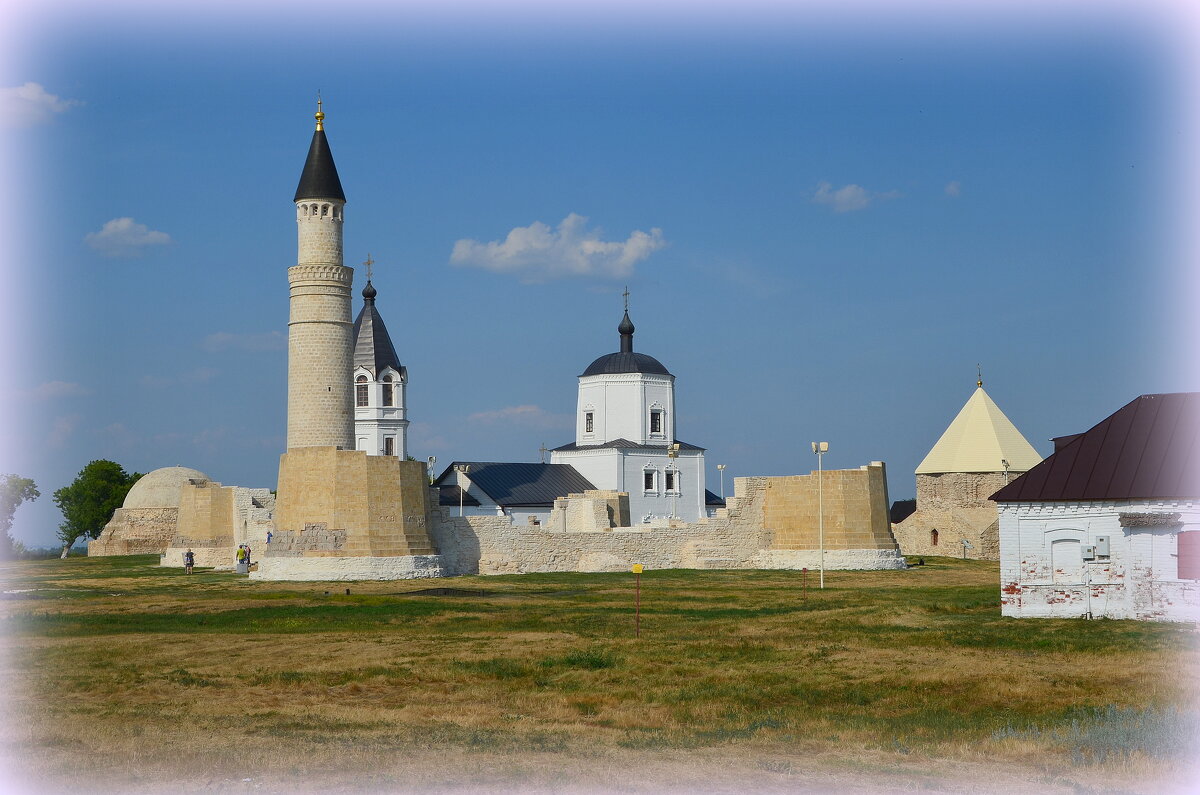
<point x="189" y="560"/>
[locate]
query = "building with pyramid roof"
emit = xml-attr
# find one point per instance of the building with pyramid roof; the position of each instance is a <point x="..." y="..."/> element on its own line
<point x="979" y="453"/>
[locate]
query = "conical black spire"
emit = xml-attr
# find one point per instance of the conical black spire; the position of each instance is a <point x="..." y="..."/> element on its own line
<point x="319" y="180"/>
<point x="373" y="347"/>
<point x="626" y="331"/>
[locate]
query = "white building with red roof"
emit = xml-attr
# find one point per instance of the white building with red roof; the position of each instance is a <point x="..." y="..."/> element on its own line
<point x="1109" y="525"/>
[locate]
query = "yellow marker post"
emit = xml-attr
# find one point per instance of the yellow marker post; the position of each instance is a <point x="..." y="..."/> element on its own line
<point x="637" y="610"/>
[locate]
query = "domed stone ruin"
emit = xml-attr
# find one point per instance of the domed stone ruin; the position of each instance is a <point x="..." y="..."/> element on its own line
<point x="145" y="523"/>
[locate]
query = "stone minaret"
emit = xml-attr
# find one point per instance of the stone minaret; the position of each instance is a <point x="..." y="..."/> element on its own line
<point x="320" y="330"/>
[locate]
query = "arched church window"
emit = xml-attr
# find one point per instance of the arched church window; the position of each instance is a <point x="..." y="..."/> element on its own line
<point x="656" y="421"/>
<point x="648" y="480"/>
<point x="589" y="422"/>
<point x="360" y="391"/>
<point x="389" y="392"/>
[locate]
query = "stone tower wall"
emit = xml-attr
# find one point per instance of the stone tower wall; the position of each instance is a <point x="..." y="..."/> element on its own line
<point x="320" y="333"/>
<point x="855" y="510"/>
<point x="956" y="505"/>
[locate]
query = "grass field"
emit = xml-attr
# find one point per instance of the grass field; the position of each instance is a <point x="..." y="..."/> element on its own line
<point x="126" y="676"/>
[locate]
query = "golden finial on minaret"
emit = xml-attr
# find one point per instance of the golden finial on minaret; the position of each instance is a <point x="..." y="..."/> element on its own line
<point x="320" y="114"/>
<point x="979" y="372"/>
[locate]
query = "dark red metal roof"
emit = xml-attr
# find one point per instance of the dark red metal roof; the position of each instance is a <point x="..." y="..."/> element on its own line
<point x="1149" y="449"/>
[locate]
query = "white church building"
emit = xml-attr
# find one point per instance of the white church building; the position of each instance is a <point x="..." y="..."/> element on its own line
<point x="380" y="384"/>
<point x="625" y="436"/>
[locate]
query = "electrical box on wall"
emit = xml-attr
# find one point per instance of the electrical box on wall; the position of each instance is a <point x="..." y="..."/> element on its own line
<point x="1089" y="552"/>
<point x="1102" y="546"/>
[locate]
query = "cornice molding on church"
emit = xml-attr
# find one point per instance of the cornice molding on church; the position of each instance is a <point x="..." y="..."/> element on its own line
<point x="665" y="380"/>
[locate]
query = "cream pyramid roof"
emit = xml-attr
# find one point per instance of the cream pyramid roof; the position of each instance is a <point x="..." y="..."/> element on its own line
<point x="978" y="440"/>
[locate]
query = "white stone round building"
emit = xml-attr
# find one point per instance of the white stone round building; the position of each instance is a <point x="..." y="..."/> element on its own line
<point x="145" y="523"/>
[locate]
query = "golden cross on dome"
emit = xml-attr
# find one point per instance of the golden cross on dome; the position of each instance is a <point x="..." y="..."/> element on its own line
<point x="369" y="263"/>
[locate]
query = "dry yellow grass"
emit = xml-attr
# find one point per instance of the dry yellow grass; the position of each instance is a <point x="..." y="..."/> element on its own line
<point x="133" y="678"/>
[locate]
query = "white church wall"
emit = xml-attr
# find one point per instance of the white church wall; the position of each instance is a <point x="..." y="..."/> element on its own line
<point x="686" y="502"/>
<point x="1043" y="573"/>
<point x="620" y="405"/>
<point x="375" y="422"/>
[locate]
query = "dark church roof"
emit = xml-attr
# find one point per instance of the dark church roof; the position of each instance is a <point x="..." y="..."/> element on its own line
<point x="1149" y="449"/>
<point x="522" y="485"/>
<point x="450" y="494"/>
<point x="319" y="180"/>
<point x="625" y="360"/>
<point x="625" y="363"/>
<point x="373" y="347"/>
<point x="712" y="500"/>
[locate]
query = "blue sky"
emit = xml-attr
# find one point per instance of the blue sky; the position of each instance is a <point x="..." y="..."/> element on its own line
<point x="824" y="224"/>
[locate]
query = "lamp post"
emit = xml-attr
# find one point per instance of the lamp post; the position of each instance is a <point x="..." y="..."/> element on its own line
<point x="462" y="470"/>
<point x="721" y="469"/>
<point x="429" y="468"/>
<point x="673" y="454"/>
<point x="821" y="448"/>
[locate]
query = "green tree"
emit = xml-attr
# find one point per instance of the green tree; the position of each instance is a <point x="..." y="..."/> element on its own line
<point x="91" y="500"/>
<point x="14" y="490"/>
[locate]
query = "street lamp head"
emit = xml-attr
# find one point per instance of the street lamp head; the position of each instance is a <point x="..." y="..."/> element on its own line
<point x="721" y="467"/>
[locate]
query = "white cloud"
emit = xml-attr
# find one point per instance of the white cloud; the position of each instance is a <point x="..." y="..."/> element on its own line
<point x="199" y="375"/>
<point x="29" y="105"/>
<point x="536" y="253"/>
<point x="534" y="416"/>
<point x="225" y="340"/>
<point x="57" y="389"/>
<point x="953" y="188"/>
<point x="61" y="430"/>
<point x="124" y="237"/>
<point x="849" y="198"/>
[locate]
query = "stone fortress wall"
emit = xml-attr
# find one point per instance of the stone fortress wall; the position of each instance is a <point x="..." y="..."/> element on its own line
<point x="146" y="521"/>
<point x="770" y="523"/>
<point x="136" y="531"/>
<point x="345" y="503"/>
<point x="214" y="520"/>
<point x="956" y="505"/>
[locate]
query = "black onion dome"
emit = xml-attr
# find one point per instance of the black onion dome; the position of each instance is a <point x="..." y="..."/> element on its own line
<point x="369" y="292"/>
<point x="626" y="362"/>
<point x="319" y="180"/>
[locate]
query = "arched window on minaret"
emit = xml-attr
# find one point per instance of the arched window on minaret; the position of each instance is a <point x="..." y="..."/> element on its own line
<point x="360" y="391"/>
<point x="389" y="391"/>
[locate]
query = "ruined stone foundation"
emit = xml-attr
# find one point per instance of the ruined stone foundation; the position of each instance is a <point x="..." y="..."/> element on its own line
<point x="136" y="531"/>
<point x="342" y="514"/>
